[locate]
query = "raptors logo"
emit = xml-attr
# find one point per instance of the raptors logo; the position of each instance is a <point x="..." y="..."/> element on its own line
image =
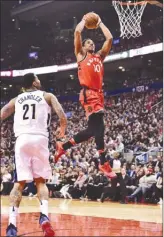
<point x="90" y="109"/>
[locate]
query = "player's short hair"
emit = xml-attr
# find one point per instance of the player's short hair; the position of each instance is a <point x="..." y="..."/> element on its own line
<point x="83" y="42"/>
<point x="28" y="79"/>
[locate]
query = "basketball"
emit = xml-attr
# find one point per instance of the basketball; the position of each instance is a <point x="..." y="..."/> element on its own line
<point x="91" y="20"/>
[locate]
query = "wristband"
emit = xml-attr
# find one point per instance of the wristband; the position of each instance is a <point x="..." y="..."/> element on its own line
<point x="60" y="139"/>
<point x="99" y="23"/>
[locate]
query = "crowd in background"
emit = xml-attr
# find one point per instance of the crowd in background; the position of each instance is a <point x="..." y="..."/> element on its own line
<point x="149" y="75"/>
<point x="54" y="45"/>
<point x="130" y="79"/>
<point x="133" y="124"/>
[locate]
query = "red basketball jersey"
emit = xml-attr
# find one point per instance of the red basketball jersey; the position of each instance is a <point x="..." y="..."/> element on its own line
<point x="91" y="71"/>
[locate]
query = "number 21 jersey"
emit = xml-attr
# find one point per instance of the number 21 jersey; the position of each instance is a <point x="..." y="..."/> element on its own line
<point x="91" y="71"/>
<point x="32" y="114"/>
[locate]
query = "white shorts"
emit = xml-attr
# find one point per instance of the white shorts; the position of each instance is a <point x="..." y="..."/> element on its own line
<point x="32" y="158"/>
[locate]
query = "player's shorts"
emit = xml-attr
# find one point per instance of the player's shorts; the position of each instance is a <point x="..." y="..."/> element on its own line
<point x="32" y="158"/>
<point x="92" y="101"/>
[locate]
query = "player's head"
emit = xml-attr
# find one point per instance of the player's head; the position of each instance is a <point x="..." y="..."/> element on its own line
<point x="88" y="45"/>
<point x="30" y="80"/>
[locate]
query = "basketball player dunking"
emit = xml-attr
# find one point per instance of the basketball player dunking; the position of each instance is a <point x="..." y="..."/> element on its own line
<point x="90" y="73"/>
<point x="31" y="121"/>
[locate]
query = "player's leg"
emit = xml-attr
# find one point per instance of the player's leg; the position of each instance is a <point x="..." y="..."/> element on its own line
<point x="14" y="199"/>
<point x="104" y="165"/>
<point x="99" y="136"/>
<point x="92" y="101"/>
<point x="82" y="135"/>
<point x="22" y="173"/>
<point x="41" y="171"/>
<point x="95" y="128"/>
<point x="78" y="138"/>
<point x="43" y="196"/>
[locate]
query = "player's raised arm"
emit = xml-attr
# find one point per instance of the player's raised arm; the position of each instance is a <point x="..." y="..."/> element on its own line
<point x="56" y="106"/>
<point x="77" y="37"/>
<point x="104" y="51"/>
<point x="7" y="110"/>
<point x="60" y="112"/>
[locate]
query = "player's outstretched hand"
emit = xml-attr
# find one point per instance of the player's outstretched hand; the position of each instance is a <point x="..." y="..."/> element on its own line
<point x="99" y="21"/>
<point x="84" y="18"/>
<point x="60" y="134"/>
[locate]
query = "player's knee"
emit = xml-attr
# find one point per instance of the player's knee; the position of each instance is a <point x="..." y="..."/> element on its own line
<point x="99" y="133"/>
<point x="99" y="139"/>
<point x="100" y="145"/>
<point x="83" y="135"/>
<point x="89" y="131"/>
<point x="19" y="186"/>
<point x="39" y="181"/>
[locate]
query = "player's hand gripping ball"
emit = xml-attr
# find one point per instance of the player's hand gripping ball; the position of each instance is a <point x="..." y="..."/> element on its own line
<point x="91" y="20"/>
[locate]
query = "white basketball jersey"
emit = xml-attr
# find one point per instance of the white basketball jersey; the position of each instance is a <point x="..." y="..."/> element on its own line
<point x="32" y="114"/>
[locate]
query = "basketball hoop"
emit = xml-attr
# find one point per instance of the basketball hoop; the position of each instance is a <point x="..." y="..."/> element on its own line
<point x="130" y="14"/>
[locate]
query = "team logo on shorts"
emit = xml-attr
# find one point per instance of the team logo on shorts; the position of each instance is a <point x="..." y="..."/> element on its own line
<point x="90" y="109"/>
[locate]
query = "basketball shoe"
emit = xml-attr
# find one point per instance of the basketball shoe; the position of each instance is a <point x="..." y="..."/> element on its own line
<point x="11" y="230"/>
<point x="105" y="168"/>
<point x="46" y="226"/>
<point x="59" y="151"/>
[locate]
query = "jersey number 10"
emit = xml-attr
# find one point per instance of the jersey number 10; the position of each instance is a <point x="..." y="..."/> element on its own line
<point x="96" y="68"/>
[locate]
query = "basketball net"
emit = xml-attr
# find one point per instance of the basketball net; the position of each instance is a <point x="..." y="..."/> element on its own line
<point x="129" y="15"/>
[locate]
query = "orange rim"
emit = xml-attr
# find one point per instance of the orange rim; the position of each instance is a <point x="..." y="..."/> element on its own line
<point x="133" y="3"/>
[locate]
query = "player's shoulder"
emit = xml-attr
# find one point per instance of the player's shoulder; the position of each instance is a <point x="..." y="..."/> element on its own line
<point x="47" y="94"/>
<point x="80" y="57"/>
<point x="13" y="100"/>
<point x="48" y="97"/>
<point x="98" y="55"/>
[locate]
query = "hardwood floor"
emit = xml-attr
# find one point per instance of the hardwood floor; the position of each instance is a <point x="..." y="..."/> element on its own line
<point x="81" y="218"/>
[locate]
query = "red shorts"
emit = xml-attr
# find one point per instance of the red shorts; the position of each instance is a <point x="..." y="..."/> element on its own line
<point x="92" y="101"/>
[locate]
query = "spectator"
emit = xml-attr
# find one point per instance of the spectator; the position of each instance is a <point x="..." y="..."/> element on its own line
<point x="145" y="184"/>
<point x="151" y="161"/>
<point x="53" y="184"/>
<point x="64" y="191"/>
<point x="158" y="162"/>
<point x="119" y="146"/>
<point x="77" y="187"/>
<point x="132" y="171"/>
<point x="157" y="171"/>
<point x="122" y="185"/>
<point x="116" y="167"/>
<point x="6" y="178"/>
<point x="159" y="189"/>
<point x="99" y="182"/>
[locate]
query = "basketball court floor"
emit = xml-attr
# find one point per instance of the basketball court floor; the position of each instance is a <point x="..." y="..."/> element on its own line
<point x="86" y="218"/>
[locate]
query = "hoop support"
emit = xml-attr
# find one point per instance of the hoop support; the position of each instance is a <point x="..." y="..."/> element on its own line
<point x="133" y="3"/>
